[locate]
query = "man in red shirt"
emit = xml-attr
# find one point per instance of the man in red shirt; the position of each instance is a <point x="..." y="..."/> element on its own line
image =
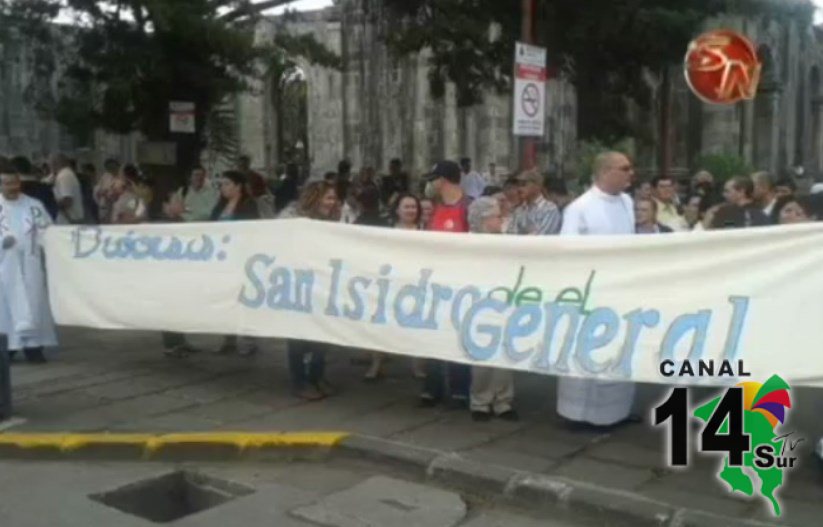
<point x="451" y="214"/>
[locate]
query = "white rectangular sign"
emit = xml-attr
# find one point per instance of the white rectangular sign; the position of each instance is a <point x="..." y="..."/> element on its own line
<point x="529" y="90"/>
<point x="182" y="118"/>
<point x="613" y="307"/>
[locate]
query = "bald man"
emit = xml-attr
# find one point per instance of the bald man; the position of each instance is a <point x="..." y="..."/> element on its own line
<point x="604" y="210"/>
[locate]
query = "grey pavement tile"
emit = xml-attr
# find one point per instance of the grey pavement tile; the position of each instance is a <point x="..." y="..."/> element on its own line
<point x="533" y="444"/>
<point x="390" y="420"/>
<point x="386" y="501"/>
<point x="495" y="518"/>
<point x="23" y="374"/>
<point x="56" y="407"/>
<point x="709" y="501"/>
<point x="510" y="458"/>
<point x="456" y="432"/>
<point x="212" y="390"/>
<point x="603" y="473"/>
<point x="173" y="422"/>
<point x="145" y="385"/>
<point x="321" y="478"/>
<point x="795" y="513"/>
<point x="229" y="411"/>
<point x="617" y="451"/>
<point x="103" y="417"/>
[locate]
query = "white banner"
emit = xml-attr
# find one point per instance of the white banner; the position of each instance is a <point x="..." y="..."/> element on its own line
<point x="743" y="302"/>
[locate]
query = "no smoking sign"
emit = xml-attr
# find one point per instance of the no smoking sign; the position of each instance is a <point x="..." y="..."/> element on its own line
<point x="529" y="91"/>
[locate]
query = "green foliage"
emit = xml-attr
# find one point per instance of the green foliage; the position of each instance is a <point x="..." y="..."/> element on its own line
<point x="604" y="46"/>
<point x="587" y="151"/>
<point x="723" y="166"/>
<point x="135" y="56"/>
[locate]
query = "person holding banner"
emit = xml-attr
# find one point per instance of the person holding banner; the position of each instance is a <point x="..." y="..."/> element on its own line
<point x="451" y="214"/>
<point x="492" y="389"/>
<point x="25" y="315"/>
<point x="604" y="210"/>
<point x="307" y="359"/>
<point x="236" y="204"/>
<point x="128" y="208"/>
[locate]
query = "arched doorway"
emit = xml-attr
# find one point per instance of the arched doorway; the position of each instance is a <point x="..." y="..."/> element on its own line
<point x="766" y="107"/>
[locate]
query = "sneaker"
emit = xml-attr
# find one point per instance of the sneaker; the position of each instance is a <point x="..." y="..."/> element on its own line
<point x="481" y="417"/>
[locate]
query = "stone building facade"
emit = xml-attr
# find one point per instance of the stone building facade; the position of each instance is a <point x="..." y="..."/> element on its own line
<point x="25" y="131"/>
<point x="378" y="107"/>
<point x="782" y="128"/>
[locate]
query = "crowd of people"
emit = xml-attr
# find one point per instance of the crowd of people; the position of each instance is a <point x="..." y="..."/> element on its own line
<point x="452" y="198"/>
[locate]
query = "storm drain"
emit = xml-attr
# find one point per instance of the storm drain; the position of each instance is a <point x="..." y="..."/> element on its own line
<point x="172" y="496"/>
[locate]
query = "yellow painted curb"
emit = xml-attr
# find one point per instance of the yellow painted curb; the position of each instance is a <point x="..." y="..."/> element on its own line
<point x="150" y="443"/>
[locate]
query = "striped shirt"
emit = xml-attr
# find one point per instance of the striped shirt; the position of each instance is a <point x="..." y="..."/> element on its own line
<point x="540" y="218"/>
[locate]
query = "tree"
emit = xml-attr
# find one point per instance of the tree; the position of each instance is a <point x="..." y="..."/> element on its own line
<point x="603" y="46"/>
<point x="135" y="56"/>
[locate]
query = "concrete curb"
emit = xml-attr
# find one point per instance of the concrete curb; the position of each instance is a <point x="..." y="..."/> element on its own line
<point x="169" y="447"/>
<point x="560" y="495"/>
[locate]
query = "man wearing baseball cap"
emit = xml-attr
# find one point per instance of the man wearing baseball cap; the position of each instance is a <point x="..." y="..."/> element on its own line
<point x="451" y="214"/>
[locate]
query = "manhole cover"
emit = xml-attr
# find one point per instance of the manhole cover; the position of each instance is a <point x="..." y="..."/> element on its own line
<point x="172" y="496"/>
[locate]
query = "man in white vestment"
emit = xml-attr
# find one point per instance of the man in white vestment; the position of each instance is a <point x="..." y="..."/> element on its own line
<point x="25" y="315"/>
<point x="604" y="210"/>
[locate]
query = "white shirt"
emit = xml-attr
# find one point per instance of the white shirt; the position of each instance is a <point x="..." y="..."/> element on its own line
<point x="66" y="185"/>
<point x="599" y="213"/>
<point x="770" y="208"/>
<point x="600" y="403"/>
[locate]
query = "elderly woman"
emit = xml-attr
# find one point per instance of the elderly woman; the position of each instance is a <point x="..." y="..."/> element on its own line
<point x="492" y="390"/>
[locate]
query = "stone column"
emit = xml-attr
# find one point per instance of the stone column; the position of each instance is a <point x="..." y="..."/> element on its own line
<point x="817" y="136"/>
<point x="766" y="130"/>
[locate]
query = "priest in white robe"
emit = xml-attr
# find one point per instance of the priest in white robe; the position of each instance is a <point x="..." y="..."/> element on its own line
<point x="25" y="315"/>
<point x="605" y="209"/>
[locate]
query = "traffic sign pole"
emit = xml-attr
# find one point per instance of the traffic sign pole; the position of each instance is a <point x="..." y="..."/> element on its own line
<point x="527" y="144"/>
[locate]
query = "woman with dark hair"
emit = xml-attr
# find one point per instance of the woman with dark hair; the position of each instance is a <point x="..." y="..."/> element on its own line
<point x="317" y="202"/>
<point x="235" y="201"/>
<point x="407" y="212"/>
<point x="236" y="204"/>
<point x="405" y="215"/>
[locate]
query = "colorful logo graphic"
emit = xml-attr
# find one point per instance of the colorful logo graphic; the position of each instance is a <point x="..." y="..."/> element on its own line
<point x="722" y="67"/>
<point x="743" y="424"/>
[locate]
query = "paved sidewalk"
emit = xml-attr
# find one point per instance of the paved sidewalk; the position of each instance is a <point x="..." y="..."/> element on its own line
<point x="119" y="381"/>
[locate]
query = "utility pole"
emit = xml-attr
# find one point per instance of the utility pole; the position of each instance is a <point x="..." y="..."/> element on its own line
<point x="527" y="144"/>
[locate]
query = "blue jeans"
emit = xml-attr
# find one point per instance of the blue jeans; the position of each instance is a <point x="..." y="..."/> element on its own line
<point x="444" y="378"/>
